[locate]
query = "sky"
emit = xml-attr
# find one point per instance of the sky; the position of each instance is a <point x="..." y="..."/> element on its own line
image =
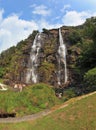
<point x="18" y="18"/>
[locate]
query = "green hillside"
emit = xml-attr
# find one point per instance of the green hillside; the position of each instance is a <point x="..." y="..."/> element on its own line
<point x="81" y="57"/>
<point x="80" y="114"/>
<point x="31" y="100"/>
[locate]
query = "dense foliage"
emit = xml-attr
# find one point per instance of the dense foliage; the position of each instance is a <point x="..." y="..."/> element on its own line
<point x="88" y="56"/>
<point x="86" y="62"/>
<point x="74" y="37"/>
<point x="2" y="72"/>
<point x="90" y="79"/>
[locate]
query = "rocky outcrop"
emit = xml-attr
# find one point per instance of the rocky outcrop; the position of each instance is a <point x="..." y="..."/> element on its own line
<point x="48" y="65"/>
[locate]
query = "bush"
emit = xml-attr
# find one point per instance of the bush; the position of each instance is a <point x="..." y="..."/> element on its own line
<point x="46" y="31"/>
<point x="74" y="37"/>
<point x="46" y="68"/>
<point x="87" y="59"/>
<point x="2" y="72"/>
<point x="70" y="93"/>
<point x="90" y="80"/>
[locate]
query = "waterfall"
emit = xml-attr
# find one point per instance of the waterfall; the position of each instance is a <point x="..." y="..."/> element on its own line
<point x="62" y="59"/>
<point x="32" y="75"/>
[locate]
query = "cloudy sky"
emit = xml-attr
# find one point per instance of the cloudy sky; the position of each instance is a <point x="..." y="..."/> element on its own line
<point x="18" y="18"/>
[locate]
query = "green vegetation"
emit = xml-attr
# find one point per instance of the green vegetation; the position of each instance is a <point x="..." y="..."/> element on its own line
<point x="46" y="31"/>
<point x="90" y="28"/>
<point x="81" y="56"/>
<point x="82" y="62"/>
<point x="13" y="60"/>
<point x="86" y="62"/>
<point x="89" y="45"/>
<point x="49" y="46"/>
<point x="2" y="72"/>
<point x="1" y="80"/>
<point x="32" y="36"/>
<point x="74" y="37"/>
<point x="90" y="79"/>
<point x="69" y="93"/>
<point x="78" y="115"/>
<point x="87" y="59"/>
<point x="47" y="68"/>
<point x="31" y="100"/>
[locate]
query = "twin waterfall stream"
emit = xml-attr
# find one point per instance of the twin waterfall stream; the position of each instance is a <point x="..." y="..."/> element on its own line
<point x="32" y="74"/>
<point x="62" y="59"/>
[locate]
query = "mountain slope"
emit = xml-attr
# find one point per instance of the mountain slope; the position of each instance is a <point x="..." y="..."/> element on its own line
<point x="81" y="57"/>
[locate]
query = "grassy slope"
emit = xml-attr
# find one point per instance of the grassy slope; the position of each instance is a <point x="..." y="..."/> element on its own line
<point x="31" y="100"/>
<point x="80" y="115"/>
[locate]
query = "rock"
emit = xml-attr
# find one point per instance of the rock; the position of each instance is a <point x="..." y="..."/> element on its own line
<point x="48" y="57"/>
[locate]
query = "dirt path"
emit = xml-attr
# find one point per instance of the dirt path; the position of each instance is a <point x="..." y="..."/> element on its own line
<point x="44" y="113"/>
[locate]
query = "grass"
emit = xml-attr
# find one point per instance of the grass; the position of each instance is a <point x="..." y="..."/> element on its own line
<point x="31" y="100"/>
<point x="78" y="115"/>
<point x="1" y="80"/>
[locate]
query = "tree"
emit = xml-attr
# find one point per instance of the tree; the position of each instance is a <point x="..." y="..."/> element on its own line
<point x="90" y="28"/>
<point x="87" y="59"/>
<point x="74" y="37"/>
<point x="46" y="31"/>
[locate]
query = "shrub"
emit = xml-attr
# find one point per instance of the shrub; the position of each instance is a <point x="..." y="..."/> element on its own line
<point x="90" y="80"/>
<point x="70" y="93"/>
<point x="46" y="31"/>
<point x="46" y="68"/>
<point x="74" y="37"/>
<point x="2" y="72"/>
<point x="87" y="59"/>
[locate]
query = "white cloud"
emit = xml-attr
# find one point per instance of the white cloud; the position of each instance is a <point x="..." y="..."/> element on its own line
<point x="44" y="24"/>
<point x="65" y="8"/>
<point x="73" y="18"/>
<point x="41" y="10"/>
<point x="13" y="29"/>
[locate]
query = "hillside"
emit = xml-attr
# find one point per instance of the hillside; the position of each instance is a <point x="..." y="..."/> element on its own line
<point x="31" y="100"/>
<point x="80" y="42"/>
<point x="80" y="114"/>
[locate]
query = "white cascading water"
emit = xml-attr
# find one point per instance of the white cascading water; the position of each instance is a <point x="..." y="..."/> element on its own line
<point x="62" y="58"/>
<point x="32" y="75"/>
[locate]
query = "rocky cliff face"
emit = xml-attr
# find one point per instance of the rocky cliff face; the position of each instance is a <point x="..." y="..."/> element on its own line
<point x="17" y="66"/>
<point x="47" y="57"/>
